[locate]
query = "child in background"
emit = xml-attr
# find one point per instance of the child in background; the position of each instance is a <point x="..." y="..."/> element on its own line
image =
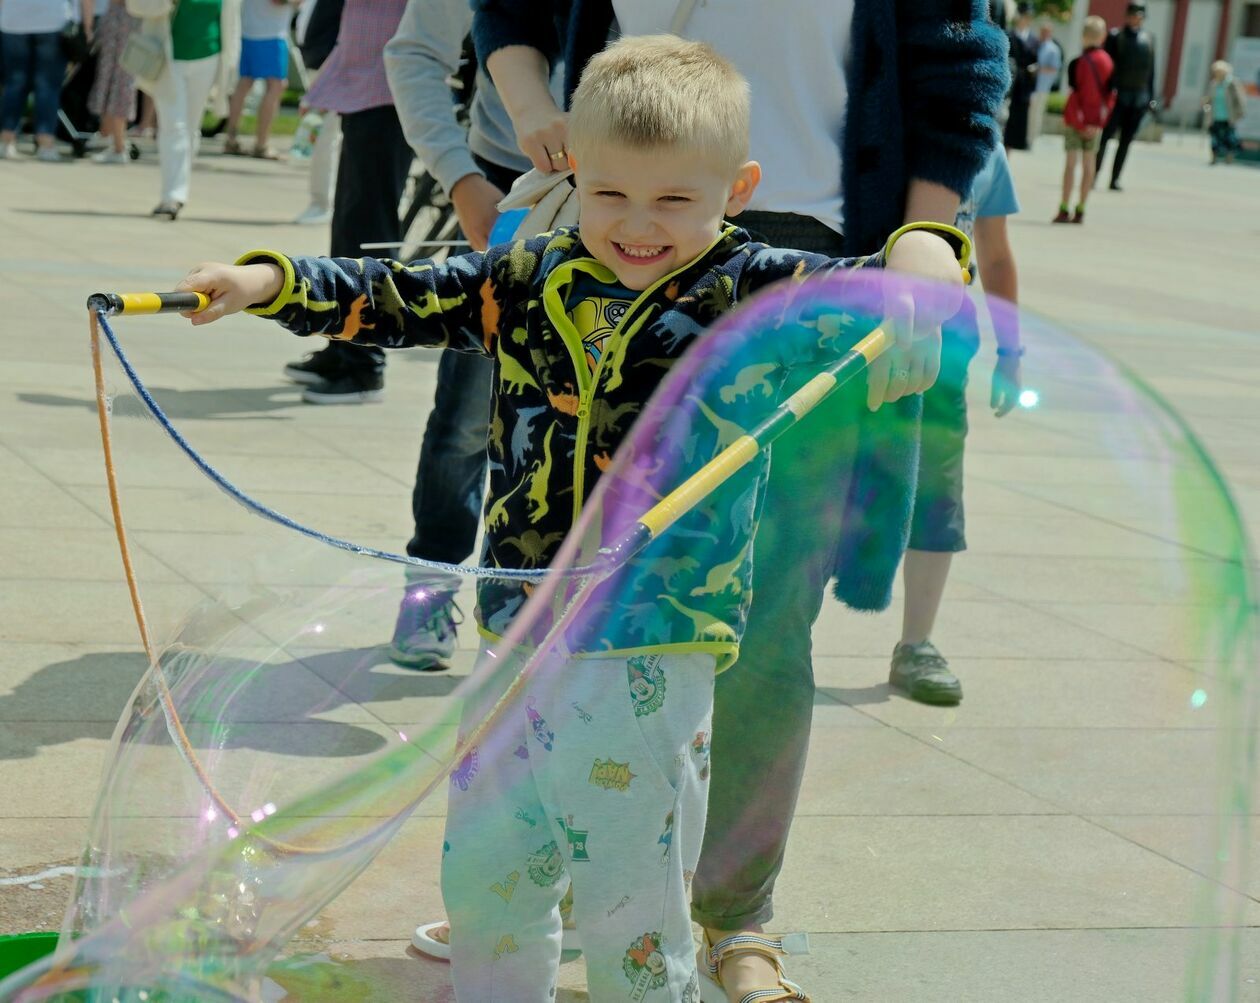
<point x="1088" y="107"/>
<point x="582" y="324"/>
<point x="1224" y="104"/>
<point x="936" y="530"/>
<point x="264" y="56"/>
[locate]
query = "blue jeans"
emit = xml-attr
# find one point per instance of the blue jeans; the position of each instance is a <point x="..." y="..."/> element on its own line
<point x="450" y="477"/>
<point x="31" y="62"/>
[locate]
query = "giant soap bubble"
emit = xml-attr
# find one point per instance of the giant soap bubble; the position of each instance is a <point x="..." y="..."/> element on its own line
<point x="1097" y="776"/>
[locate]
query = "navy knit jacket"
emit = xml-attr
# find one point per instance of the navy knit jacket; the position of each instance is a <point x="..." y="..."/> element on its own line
<point x="925" y="80"/>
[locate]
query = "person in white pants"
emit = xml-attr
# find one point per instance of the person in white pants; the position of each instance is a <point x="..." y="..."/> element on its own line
<point x="179" y="108"/>
<point x="325" y="155"/>
<point x="202" y="39"/>
<point x="597" y="774"/>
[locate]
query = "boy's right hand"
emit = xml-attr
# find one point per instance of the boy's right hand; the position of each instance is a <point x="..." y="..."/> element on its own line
<point x="231" y="288"/>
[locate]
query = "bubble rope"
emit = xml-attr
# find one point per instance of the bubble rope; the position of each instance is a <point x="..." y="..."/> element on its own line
<point x="100" y="320"/>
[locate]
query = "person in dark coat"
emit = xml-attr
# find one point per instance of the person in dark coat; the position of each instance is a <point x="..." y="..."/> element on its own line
<point x="1024" y="45"/>
<point x="1132" y="50"/>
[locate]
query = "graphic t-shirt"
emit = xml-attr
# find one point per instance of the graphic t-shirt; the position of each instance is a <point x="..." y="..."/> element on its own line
<point x="596" y="308"/>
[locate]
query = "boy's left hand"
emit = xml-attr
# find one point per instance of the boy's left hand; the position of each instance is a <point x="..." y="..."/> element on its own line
<point x="1006" y="385"/>
<point x="914" y="319"/>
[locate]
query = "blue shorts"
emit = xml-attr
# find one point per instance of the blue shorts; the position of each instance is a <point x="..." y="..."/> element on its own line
<point x="938" y="524"/>
<point x="265" y="58"/>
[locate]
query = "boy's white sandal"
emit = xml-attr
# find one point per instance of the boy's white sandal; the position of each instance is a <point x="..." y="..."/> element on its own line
<point x="773" y="948"/>
<point x="427" y="941"/>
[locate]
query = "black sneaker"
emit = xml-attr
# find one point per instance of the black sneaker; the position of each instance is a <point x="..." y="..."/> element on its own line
<point x="348" y="388"/>
<point x="921" y="672"/>
<point x="315" y="368"/>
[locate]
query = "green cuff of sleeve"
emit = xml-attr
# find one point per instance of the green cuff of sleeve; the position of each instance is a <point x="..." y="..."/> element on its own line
<point x="953" y="236"/>
<point x="288" y="291"/>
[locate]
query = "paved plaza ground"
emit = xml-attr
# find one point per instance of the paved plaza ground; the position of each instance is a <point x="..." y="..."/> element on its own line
<point x="1056" y="837"/>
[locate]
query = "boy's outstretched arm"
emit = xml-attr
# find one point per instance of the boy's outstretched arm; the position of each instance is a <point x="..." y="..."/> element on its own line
<point x="369" y="301"/>
<point x="930" y="295"/>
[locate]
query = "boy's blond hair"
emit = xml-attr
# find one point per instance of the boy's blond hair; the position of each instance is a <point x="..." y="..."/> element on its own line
<point x="649" y="91"/>
<point x="1094" y="28"/>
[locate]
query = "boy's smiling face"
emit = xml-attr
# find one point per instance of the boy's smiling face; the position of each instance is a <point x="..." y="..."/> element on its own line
<point x="647" y="212"/>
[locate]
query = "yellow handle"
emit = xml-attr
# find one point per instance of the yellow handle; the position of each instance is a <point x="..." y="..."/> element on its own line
<point x="138" y="303"/>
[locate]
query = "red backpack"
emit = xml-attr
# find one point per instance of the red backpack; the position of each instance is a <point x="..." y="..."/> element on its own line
<point x="1092" y="97"/>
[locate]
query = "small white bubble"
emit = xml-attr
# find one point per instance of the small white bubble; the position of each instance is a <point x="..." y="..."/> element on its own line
<point x="1029" y="398"/>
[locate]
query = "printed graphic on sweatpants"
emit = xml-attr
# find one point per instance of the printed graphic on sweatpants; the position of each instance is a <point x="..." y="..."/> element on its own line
<point x="576" y="839"/>
<point x="611" y="775"/>
<point x="546" y="865"/>
<point x="644" y="965"/>
<point x="647" y="683"/>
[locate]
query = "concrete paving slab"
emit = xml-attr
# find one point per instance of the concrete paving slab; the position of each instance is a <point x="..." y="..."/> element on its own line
<point x="1006" y="693"/>
<point x="985" y="872"/>
<point x="1097" y="771"/>
<point x="992" y="966"/>
<point x="879" y="771"/>
<point x="1194" y="841"/>
<point x="994" y="628"/>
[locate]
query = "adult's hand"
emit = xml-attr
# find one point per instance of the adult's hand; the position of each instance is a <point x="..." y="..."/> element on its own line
<point x="1007" y="384"/>
<point x="521" y="76"/>
<point x="541" y="133"/>
<point x="475" y="200"/>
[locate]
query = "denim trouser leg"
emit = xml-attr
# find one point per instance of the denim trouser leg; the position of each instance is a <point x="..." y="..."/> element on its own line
<point x="17" y="62"/>
<point x="450" y="478"/>
<point x="50" y="67"/>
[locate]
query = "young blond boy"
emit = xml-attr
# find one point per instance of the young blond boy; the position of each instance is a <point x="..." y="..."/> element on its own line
<point x="612" y="798"/>
<point x="1088" y="107"/>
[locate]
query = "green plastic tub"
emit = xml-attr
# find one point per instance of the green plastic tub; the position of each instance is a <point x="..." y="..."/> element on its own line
<point x="18" y="950"/>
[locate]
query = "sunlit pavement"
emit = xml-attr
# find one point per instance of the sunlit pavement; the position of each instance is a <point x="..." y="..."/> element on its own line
<point x="1050" y="839"/>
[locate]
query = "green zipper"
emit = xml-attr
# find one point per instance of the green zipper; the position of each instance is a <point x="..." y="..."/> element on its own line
<point x="553" y="305"/>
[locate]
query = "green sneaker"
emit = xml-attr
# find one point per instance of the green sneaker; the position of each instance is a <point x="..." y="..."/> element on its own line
<point x="921" y="672"/>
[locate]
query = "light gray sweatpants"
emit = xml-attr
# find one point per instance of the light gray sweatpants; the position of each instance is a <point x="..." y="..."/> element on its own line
<point x="597" y="773"/>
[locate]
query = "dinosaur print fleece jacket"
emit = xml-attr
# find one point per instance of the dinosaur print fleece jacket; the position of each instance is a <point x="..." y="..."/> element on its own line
<point x="556" y="424"/>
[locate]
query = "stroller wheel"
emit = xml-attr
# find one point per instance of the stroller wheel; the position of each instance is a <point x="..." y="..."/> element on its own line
<point x="133" y="151"/>
<point x="80" y="148"/>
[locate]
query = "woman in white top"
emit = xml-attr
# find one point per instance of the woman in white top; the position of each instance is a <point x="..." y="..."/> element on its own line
<point x="30" y="34"/>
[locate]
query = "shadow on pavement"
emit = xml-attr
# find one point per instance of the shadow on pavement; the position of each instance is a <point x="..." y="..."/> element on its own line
<point x="276" y="712"/>
<point x="241" y="402"/>
<point x="856" y="696"/>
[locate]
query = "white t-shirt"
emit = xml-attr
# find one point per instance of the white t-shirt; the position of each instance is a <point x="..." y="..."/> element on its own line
<point x="262" y="19"/>
<point x="33" y="17"/>
<point x="793" y="54"/>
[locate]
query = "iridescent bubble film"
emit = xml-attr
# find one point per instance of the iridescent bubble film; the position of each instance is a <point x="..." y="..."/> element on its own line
<point x="275" y="775"/>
